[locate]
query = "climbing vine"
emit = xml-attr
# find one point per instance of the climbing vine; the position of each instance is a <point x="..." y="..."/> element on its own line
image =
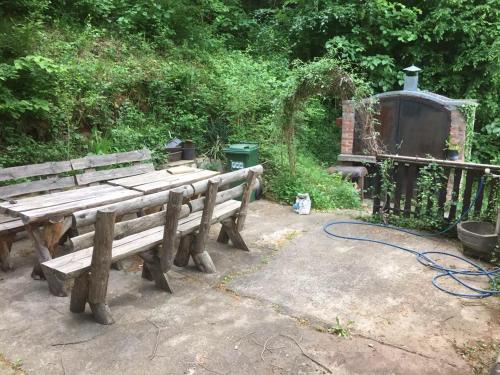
<point x="323" y="77"/>
<point x="388" y="187"/>
<point x="429" y="185"/>
<point x="468" y="112"/>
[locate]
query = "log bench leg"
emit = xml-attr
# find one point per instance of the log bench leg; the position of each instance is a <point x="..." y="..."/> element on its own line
<point x="79" y="293"/>
<point x="92" y="287"/>
<point x="223" y="237"/>
<point x="202" y="259"/>
<point x="200" y="256"/>
<point x="184" y="251"/>
<point x="204" y="262"/>
<point x="154" y="272"/>
<point x="146" y="273"/>
<point x="158" y="262"/>
<point x="230" y="229"/>
<point x="46" y="243"/>
<point x="99" y="267"/>
<point x="118" y="265"/>
<point x="5" y="247"/>
<point x="80" y="296"/>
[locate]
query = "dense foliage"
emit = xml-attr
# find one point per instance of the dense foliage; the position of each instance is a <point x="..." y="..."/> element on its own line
<point x="94" y="76"/>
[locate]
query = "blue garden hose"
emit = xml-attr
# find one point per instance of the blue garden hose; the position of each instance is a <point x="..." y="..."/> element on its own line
<point x="426" y="260"/>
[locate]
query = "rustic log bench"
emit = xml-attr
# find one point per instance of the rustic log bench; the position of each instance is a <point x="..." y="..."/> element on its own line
<point x="57" y="176"/>
<point x="161" y="239"/>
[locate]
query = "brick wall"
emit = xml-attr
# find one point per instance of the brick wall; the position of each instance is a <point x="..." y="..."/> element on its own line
<point x="347" y="127"/>
<point x="457" y="130"/>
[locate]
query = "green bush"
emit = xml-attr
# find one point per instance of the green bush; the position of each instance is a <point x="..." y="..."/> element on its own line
<point x="327" y="191"/>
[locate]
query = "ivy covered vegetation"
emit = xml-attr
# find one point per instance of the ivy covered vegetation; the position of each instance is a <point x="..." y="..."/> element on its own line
<point x="95" y="76"/>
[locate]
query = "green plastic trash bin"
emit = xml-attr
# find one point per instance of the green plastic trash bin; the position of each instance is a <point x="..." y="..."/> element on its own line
<point x="242" y="155"/>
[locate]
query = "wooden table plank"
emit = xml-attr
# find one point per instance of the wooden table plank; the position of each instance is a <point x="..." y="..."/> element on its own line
<point x="63" y="209"/>
<point x="9" y="223"/>
<point x="108" y="174"/>
<point x="52" y="199"/>
<point x="139" y="180"/>
<point x="167" y="184"/>
<point x="42" y="207"/>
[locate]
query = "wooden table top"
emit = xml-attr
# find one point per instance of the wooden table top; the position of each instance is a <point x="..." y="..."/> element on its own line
<point x="156" y="181"/>
<point x="44" y="207"/>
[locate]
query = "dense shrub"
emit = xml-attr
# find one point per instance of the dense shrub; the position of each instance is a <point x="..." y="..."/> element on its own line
<point x="326" y="191"/>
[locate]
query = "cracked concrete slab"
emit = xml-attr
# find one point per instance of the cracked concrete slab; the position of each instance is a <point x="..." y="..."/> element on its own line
<point x="283" y="295"/>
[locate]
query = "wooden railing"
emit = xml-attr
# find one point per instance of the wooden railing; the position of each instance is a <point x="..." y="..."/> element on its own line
<point x="457" y="187"/>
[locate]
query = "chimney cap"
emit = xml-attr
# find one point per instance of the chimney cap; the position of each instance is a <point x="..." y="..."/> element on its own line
<point x="412" y="69"/>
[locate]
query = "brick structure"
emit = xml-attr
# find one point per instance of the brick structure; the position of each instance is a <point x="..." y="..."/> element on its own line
<point x="412" y="123"/>
<point x="347" y="127"/>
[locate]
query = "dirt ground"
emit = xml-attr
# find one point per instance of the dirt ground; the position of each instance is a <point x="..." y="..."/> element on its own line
<point x="276" y="310"/>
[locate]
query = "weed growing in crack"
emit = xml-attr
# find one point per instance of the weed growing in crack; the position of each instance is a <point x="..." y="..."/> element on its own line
<point x="341" y="330"/>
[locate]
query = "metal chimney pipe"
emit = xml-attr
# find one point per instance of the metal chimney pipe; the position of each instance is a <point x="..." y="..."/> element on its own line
<point x="411" y="78"/>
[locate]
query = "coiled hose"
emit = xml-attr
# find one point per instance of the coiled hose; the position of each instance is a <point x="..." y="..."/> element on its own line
<point x="425" y="257"/>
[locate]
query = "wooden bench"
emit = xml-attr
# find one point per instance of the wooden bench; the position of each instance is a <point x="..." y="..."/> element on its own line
<point x="48" y="177"/>
<point x="161" y="239"/>
<point x="56" y="176"/>
<point x="96" y="168"/>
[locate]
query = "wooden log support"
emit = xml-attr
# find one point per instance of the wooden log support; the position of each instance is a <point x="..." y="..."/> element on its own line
<point x="5" y="262"/>
<point x="146" y="274"/>
<point x="170" y="238"/>
<point x="231" y="229"/>
<point x="5" y="247"/>
<point x="245" y="199"/>
<point x="99" y="269"/>
<point x="56" y="286"/>
<point x="53" y="232"/>
<point x="204" y="262"/>
<point x="223" y="237"/>
<point x="79" y="293"/>
<point x="154" y="271"/>
<point x="184" y="251"/>
<point x="46" y="240"/>
<point x="200" y="256"/>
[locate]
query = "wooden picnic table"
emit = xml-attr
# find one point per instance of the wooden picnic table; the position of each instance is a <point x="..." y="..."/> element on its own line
<point x="153" y="182"/>
<point x="47" y="218"/>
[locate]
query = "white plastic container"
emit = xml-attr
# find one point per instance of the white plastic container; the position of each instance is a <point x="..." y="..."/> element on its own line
<point x="302" y="204"/>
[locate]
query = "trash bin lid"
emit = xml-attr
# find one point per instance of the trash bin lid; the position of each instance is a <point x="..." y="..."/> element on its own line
<point x="173" y="143"/>
<point x="242" y="148"/>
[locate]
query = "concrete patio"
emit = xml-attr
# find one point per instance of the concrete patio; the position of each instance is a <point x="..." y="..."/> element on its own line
<point x="270" y="311"/>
